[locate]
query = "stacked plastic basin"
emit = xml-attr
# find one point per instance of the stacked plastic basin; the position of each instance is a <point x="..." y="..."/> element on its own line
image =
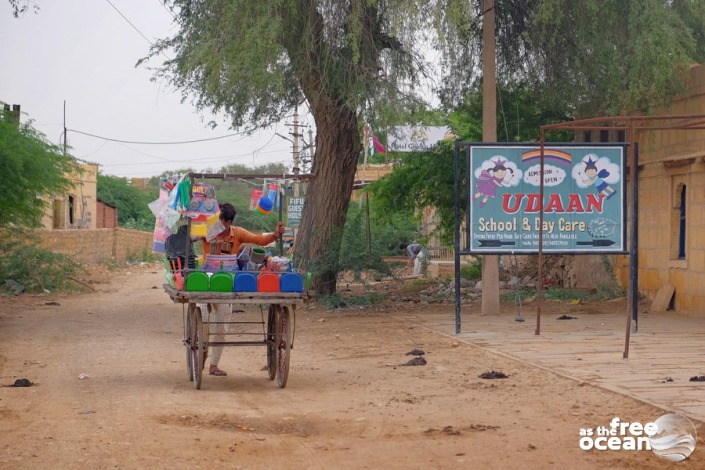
<point x="244" y="281"/>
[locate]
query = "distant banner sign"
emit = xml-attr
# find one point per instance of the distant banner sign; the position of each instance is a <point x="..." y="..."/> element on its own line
<point x="583" y="203"/>
<point x="295" y="206"/>
<point x="415" y="138"/>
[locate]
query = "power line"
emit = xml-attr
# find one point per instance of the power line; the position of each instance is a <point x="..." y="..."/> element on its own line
<point x="130" y="23"/>
<point x="136" y="28"/>
<point x="154" y="143"/>
<point x="200" y="160"/>
<point x="163" y="4"/>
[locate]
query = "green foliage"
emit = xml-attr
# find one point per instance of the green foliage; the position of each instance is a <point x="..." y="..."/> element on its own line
<point x="20" y="7"/>
<point x="130" y="201"/>
<point x="354" y="254"/>
<point x="385" y="236"/>
<point x="613" y="289"/>
<point x="565" y="294"/>
<point x="143" y="255"/>
<point x="426" y="179"/>
<point x="474" y="271"/>
<point x="334" y="301"/>
<point x="38" y="269"/>
<point x="616" y="57"/>
<point x="602" y="57"/>
<point x="33" y="170"/>
<point x="254" y="61"/>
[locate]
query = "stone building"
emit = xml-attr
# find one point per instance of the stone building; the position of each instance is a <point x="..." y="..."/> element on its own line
<point x="76" y="209"/>
<point x="671" y="221"/>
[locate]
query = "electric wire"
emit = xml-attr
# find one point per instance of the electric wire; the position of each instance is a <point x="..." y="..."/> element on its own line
<point x="135" y="28"/>
<point x="130" y="23"/>
<point x="154" y="143"/>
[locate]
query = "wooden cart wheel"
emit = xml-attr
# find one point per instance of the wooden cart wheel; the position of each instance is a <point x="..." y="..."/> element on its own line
<point x="283" y="344"/>
<point x="271" y="344"/>
<point x="188" y="341"/>
<point x="197" y="347"/>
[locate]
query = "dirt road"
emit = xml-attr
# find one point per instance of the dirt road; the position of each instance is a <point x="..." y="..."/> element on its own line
<point x="348" y="403"/>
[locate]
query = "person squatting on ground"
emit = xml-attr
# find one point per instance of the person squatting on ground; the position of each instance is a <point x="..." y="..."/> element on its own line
<point x="235" y="236"/>
<point x="417" y="256"/>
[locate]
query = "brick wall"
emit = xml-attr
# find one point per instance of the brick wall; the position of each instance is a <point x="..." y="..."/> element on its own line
<point x="106" y="215"/>
<point x="99" y="245"/>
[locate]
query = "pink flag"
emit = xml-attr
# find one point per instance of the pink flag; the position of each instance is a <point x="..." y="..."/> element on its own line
<point x="378" y="145"/>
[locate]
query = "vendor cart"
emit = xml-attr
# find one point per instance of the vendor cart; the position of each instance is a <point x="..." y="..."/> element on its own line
<point x="277" y="290"/>
<point x="276" y="330"/>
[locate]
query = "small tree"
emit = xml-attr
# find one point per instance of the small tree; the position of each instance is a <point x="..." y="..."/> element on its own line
<point x="131" y="202"/>
<point x="31" y="171"/>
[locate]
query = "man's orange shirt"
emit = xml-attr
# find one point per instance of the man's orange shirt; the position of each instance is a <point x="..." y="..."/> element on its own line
<point x="238" y="236"/>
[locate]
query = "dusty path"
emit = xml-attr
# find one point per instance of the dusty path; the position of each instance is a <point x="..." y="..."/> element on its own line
<point x="348" y="402"/>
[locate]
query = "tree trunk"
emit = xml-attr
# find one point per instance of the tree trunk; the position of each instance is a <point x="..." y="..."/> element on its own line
<point x="328" y="197"/>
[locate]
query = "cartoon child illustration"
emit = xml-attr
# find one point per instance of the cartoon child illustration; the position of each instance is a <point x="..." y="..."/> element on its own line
<point x="593" y="176"/>
<point x="490" y="180"/>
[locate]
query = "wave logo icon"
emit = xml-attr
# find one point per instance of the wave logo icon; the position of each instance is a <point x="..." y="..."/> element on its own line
<point x="675" y="439"/>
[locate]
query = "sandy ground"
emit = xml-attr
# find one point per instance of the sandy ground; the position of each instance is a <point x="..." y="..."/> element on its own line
<point x="349" y="402"/>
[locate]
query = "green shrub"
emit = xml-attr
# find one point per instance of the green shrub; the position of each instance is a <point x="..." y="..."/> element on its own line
<point x="474" y="271"/>
<point x="37" y="269"/>
<point x="144" y="254"/>
<point x="601" y="293"/>
<point x="337" y="301"/>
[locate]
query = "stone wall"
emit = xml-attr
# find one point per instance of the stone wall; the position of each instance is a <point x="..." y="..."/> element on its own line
<point x="99" y="245"/>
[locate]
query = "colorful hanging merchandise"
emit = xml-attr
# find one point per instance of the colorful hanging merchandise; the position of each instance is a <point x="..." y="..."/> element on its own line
<point x="166" y="215"/>
<point x="202" y="209"/>
<point x="264" y="206"/>
<point x="174" y="203"/>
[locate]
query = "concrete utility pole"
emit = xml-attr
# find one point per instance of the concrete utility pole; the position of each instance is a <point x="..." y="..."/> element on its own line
<point x="295" y="151"/>
<point x="490" y="263"/>
<point x="296" y="135"/>
<point x="311" y="150"/>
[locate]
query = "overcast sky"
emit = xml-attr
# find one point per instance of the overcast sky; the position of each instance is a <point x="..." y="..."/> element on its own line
<point x="84" y="52"/>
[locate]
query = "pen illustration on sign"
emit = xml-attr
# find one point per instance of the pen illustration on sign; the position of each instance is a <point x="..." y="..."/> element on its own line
<point x="492" y="175"/>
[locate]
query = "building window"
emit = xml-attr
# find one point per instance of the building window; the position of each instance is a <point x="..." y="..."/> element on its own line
<point x="72" y="211"/>
<point x="678" y="221"/>
<point x="681" y="225"/>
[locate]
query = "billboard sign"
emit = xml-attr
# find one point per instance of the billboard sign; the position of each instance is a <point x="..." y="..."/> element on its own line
<point x="415" y="138"/>
<point x="295" y="205"/>
<point x="583" y="201"/>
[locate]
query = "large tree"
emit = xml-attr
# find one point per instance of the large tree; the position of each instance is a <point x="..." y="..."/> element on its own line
<point x="31" y="171"/>
<point x="347" y="60"/>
